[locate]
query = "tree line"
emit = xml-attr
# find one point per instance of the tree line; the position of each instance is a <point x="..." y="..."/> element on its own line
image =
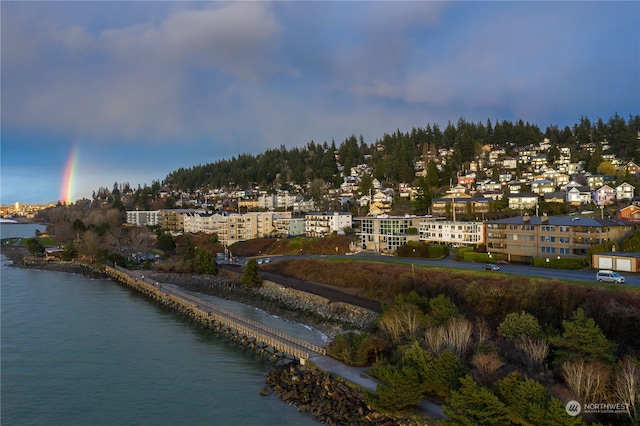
<point x="392" y="157"/>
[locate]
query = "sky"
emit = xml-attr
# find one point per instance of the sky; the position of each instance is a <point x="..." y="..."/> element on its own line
<point x="94" y="93"/>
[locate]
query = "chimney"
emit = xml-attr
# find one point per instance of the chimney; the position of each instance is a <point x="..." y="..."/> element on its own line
<point x="526" y="218"/>
<point x="545" y="218"/>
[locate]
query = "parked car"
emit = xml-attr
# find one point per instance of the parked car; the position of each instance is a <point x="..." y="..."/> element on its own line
<point x="609" y="277"/>
<point x="491" y="267"/>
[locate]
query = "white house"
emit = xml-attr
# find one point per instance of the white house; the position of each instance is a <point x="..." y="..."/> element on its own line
<point x="625" y="191"/>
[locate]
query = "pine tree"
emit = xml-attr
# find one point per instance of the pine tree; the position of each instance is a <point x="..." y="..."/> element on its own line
<point x="251" y="275"/>
<point x="475" y="405"/>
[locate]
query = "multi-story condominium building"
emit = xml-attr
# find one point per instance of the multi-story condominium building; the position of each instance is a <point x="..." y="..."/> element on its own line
<point x="210" y="223"/>
<point x="452" y="233"/>
<point x="324" y="223"/>
<point x="386" y="233"/>
<point x="248" y="226"/>
<point x="144" y="218"/>
<point x="173" y="219"/>
<point x="289" y="227"/>
<point x="524" y="238"/>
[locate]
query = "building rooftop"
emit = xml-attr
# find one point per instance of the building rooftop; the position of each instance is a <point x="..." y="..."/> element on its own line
<point x="562" y="221"/>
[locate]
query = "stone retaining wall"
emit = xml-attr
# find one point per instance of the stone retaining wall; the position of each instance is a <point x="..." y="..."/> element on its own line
<point x="353" y="316"/>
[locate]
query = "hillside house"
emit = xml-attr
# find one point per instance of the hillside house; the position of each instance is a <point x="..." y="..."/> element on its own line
<point x="604" y="196"/>
<point x="625" y="191"/>
<point x="522" y="201"/>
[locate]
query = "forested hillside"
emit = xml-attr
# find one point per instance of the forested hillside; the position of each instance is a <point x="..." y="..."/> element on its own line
<point x="392" y="157"/>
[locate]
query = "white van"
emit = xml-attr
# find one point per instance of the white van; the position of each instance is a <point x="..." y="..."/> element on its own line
<point x="609" y="277"/>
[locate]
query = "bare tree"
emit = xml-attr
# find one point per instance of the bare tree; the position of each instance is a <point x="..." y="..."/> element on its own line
<point x="483" y="331"/>
<point x="588" y="380"/>
<point x="454" y="335"/>
<point x="627" y="387"/>
<point x="534" y="351"/>
<point x="485" y="366"/>
<point x="401" y="323"/>
<point x="138" y="239"/>
<point x="90" y="244"/>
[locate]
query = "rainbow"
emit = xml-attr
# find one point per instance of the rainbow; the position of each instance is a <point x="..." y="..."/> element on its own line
<point x="69" y="178"/>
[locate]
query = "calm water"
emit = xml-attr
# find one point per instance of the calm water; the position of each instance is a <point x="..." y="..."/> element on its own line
<point x="76" y="351"/>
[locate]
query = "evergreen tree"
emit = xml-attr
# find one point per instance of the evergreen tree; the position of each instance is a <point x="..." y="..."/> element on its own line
<point x="473" y="405"/>
<point x="444" y="372"/>
<point x="34" y="246"/>
<point x="433" y="180"/>
<point x="251" y="275"/>
<point x="582" y="340"/>
<point x="401" y="388"/>
<point x="205" y="262"/>
<point x="423" y="197"/>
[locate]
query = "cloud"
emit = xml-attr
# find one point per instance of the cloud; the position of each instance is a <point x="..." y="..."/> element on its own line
<point x="133" y="82"/>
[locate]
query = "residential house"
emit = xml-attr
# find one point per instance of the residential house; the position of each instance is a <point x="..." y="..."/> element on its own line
<point x="632" y="168"/>
<point x="630" y="213"/>
<point x="577" y="194"/>
<point x="509" y="163"/>
<point x="450" y="204"/>
<point x="554" y="197"/>
<point x="524" y="238"/>
<point x="625" y="191"/>
<point x="505" y="177"/>
<point x="304" y="206"/>
<point x="380" y="204"/>
<point x="522" y="201"/>
<point x="604" y="196"/>
<point x="467" y="180"/>
<point x="542" y="186"/>
<point x="595" y="181"/>
<point x="515" y="187"/>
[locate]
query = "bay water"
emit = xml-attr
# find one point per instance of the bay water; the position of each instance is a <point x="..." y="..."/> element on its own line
<point x="79" y="351"/>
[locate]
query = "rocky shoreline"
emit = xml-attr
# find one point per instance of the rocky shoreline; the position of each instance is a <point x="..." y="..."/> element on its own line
<point x="328" y="399"/>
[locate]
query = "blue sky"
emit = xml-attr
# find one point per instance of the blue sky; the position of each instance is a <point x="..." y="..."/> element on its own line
<point x="144" y="88"/>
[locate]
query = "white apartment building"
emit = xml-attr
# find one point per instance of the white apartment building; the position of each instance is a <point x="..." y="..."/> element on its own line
<point x="324" y="223"/>
<point x="144" y="217"/>
<point x="452" y="233"/>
